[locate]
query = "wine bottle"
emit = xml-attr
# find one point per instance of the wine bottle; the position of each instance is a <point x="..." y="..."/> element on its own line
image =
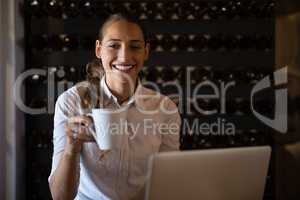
<point x="54" y="8"/>
<point x="102" y="9"/>
<point x="213" y="11"/>
<point x="170" y="10"/>
<point x="72" y="74"/>
<point x="167" y="42"/>
<point x="242" y="9"/>
<point x="168" y="74"/>
<point x="87" y="8"/>
<point x="154" y="42"/>
<point x="69" y="42"/>
<point x="134" y="8"/>
<point x="201" y="10"/>
<point x="55" y="43"/>
<point x="186" y="10"/>
<point x="151" y="10"/>
<point x="70" y="9"/>
<point x="231" y="10"/>
<point x="200" y="43"/>
<point x="35" y="8"/>
<point x="230" y="76"/>
<point x="183" y="42"/>
<point x="269" y="9"/>
<point x="223" y="10"/>
<point x="202" y="74"/>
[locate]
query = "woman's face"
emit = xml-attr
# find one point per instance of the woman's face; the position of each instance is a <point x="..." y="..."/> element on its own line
<point x="122" y="51"/>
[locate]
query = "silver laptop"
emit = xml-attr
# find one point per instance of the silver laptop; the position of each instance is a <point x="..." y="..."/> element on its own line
<point x="215" y="174"/>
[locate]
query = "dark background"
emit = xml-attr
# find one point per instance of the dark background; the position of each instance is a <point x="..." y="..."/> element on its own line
<point x="241" y="41"/>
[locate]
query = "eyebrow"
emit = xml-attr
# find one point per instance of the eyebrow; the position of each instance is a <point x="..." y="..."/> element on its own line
<point x="118" y="40"/>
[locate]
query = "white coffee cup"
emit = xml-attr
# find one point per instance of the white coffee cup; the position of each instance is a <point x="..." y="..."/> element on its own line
<point x="108" y="127"/>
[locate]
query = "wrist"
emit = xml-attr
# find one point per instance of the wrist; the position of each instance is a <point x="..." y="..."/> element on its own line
<point x="73" y="148"/>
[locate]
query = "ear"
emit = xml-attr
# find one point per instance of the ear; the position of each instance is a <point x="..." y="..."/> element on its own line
<point x="147" y="50"/>
<point x="98" y="49"/>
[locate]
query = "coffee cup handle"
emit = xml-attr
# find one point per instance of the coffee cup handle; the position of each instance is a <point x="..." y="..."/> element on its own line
<point x="91" y="128"/>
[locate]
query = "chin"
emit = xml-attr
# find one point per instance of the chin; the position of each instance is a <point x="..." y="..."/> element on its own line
<point x="124" y="78"/>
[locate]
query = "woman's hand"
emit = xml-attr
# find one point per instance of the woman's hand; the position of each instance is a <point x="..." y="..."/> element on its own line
<point x="77" y="133"/>
<point x="65" y="179"/>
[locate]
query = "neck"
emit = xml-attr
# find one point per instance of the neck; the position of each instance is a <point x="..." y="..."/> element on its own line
<point x="122" y="91"/>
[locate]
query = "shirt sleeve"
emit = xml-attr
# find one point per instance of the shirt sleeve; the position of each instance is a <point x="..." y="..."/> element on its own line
<point x="65" y="107"/>
<point x="170" y="137"/>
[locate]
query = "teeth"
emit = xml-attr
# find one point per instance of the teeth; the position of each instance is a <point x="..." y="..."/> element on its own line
<point x="123" y="67"/>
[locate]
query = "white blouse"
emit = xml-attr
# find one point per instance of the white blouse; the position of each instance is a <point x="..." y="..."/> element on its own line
<point x="154" y="126"/>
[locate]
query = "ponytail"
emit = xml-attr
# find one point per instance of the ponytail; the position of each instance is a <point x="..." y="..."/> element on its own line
<point x="94" y="73"/>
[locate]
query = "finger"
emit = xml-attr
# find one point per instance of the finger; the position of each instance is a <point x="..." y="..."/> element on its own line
<point x="90" y="139"/>
<point x="79" y="132"/>
<point x="73" y="136"/>
<point x="79" y="120"/>
<point x="88" y="118"/>
<point x="74" y="127"/>
<point x="68" y="130"/>
<point x="89" y="125"/>
<point x="84" y="134"/>
<point x="83" y="130"/>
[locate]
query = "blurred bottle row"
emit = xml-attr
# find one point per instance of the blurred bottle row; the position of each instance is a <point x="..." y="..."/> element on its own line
<point x="162" y="42"/>
<point x="240" y="138"/>
<point x="56" y="73"/>
<point x="239" y="106"/>
<point x="197" y="107"/>
<point x="185" y="75"/>
<point x="197" y="74"/>
<point x="153" y="10"/>
<point x="205" y="42"/>
<point x="200" y="107"/>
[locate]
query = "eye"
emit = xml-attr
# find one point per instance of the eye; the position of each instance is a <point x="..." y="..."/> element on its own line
<point x="114" y="46"/>
<point x="135" y="47"/>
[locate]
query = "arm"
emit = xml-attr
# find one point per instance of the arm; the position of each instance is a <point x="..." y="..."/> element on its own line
<point x="65" y="173"/>
<point x="65" y="179"/>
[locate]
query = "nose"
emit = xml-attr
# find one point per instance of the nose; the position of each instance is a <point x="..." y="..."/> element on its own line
<point x="124" y="54"/>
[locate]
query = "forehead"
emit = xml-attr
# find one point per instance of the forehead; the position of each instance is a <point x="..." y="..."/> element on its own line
<point x="123" y="30"/>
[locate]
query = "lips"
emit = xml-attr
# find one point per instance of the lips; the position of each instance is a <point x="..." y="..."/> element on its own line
<point x="123" y="67"/>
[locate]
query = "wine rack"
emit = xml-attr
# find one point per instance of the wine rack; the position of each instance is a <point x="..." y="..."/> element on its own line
<point x="191" y="41"/>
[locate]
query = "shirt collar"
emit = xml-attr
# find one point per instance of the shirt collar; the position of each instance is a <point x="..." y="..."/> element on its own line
<point x="108" y="93"/>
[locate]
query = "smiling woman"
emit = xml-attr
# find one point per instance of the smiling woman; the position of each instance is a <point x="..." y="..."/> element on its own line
<point x="122" y="48"/>
<point x="80" y="168"/>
